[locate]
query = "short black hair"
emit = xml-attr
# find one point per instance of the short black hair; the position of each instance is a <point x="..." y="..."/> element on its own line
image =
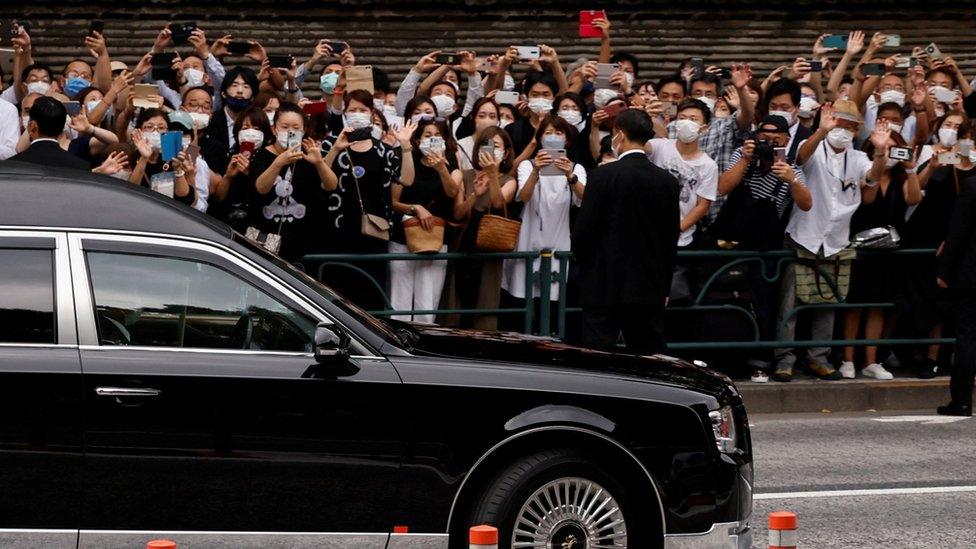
<point x="710" y="79"/>
<point x="448" y="84"/>
<point x="538" y="77"/>
<point x="36" y="67"/>
<point x="673" y="79"/>
<point x="250" y="78"/>
<point x="783" y="86"/>
<point x="692" y="103"/>
<point x="635" y="124"/>
<point x="286" y="107"/>
<point x="624" y="56"/>
<point x="49" y="114"/>
<point x="146" y="114"/>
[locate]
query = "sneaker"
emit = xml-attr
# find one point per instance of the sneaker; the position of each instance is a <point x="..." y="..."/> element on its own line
<point x="876" y="371"/>
<point x="847" y="370"/>
<point x="824" y="371"/>
<point x="927" y="368"/>
<point x="783" y="373"/>
<point x="760" y="377"/>
<point x="953" y="409"/>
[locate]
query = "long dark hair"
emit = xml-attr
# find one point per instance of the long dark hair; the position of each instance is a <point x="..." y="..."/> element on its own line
<point x="506" y="164"/>
<point x="450" y="146"/>
<point x="258" y="119"/>
<point x="468" y="125"/>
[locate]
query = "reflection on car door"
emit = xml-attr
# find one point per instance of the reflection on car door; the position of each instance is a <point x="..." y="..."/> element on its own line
<point x="205" y="410"/>
<point x="40" y="394"/>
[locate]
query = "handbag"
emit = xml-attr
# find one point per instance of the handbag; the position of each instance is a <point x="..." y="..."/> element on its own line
<point x="497" y="233"/>
<point x="370" y="224"/>
<point x="422" y="241"/>
<point x="878" y="238"/>
<point x="811" y="287"/>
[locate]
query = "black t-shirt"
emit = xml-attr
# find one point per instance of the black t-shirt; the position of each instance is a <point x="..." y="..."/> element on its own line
<point x="293" y="208"/>
<point x="521" y="132"/>
<point x="926" y="228"/>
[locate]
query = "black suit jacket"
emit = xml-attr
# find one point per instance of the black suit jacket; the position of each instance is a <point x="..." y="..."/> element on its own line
<point x="802" y="133"/>
<point x="215" y="145"/>
<point x="626" y="236"/>
<point x="49" y="153"/>
<point x="957" y="264"/>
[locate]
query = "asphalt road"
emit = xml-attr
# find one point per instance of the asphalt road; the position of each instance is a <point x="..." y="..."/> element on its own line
<point x="855" y="481"/>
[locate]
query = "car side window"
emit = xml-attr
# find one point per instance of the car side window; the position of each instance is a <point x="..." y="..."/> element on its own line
<point x="168" y="302"/>
<point x="27" y="296"/>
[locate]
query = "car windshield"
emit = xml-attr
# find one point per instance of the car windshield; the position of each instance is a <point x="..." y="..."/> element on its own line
<point x="381" y="327"/>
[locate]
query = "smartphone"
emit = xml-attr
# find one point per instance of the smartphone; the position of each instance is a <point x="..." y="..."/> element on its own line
<point x="9" y="30"/>
<point x="180" y="32"/>
<point x="315" y="107"/>
<point x="162" y="66"/>
<point x="670" y="109"/>
<point x="615" y="108"/>
<point x="816" y="66"/>
<point x="141" y="95"/>
<point x="294" y="139"/>
<point x="603" y="73"/>
<point x="247" y="149"/>
<point x="280" y="61"/>
<point x="933" y="51"/>
<point x="586" y="27"/>
<point x="163" y="183"/>
<point x="905" y="62"/>
<point x="96" y="25"/>
<point x="900" y="153"/>
<point x="965" y="147"/>
<point x="7" y="60"/>
<point x="725" y="73"/>
<point x="193" y="152"/>
<point x="488" y="147"/>
<point x="338" y="47"/>
<point x="779" y="154"/>
<point x="892" y="40"/>
<point x="835" y="41"/>
<point x="437" y="145"/>
<point x="873" y="69"/>
<point x="528" y="53"/>
<point x="506" y="97"/>
<point x="551" y="169"/>
<point x="448" y="58"/>
<point x="948" y="158"/>
<point x="943" y="95"/>
<point x="483" y="66"/>
<point x="698" y="64"/>
<point x="238" y="47"/>
<point x="73" y="107"/>
<point x="362" y="134"/>
<point x="360" y="77"/>
<point x="171" y="145"/>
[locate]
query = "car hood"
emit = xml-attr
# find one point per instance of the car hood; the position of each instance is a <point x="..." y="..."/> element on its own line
<point x="515" y="348"/>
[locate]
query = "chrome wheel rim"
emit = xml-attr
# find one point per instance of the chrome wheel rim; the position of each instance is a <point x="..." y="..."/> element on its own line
<point x="570" y="513"/>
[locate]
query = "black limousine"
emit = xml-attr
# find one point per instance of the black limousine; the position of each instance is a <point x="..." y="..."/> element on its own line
<point x="161" y="376"/>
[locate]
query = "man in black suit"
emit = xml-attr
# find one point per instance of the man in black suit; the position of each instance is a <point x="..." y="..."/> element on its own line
<point x="626" y="241"/>
<point x="47" y="116"/>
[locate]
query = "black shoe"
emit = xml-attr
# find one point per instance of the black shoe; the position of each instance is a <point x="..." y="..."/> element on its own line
<point x="927" y="368"/>
<point x="953" y="409"/>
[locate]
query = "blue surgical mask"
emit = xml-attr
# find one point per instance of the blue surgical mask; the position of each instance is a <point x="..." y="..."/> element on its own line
<point x="328" y="82"/>
<point x="75" y="85"/>
<point x="553" y="141"/>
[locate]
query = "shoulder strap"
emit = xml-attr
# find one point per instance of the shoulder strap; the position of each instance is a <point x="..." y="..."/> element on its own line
<point x="359" y="192"/>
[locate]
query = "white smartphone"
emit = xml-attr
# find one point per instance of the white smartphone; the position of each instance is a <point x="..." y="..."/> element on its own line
<point x="933" y="51"/>
<point x="603" y="73"/>
<point x="528" y="53"/>
<point x="948" y="158"/>
<point x="892" y="40"/>
<point x="507" y="97"/>
<point x="965" y="147"/>
<point x="437" y="144"/>
<point x="551" y="169"/>
<point x="943" y="95"/>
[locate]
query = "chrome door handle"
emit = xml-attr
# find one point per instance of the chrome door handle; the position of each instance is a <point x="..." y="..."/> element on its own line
<point x="126" y="392"/>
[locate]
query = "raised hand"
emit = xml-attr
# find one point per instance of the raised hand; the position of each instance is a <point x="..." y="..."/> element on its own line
<point x="741" y="75"/>
<point x="468" y="62"/>
<point x="219" y="47"/>
<point x="818" y="48"/>
<point x="312" y="150"/>
<point x="855" y="42"/>
<point x="427" y="63"/>
<point x="115" y="163"/>
<point x="163" y="40"/>
<point x="142" y="145"/>
<point x="604" y="26"/>
<point x="95" y="43"/>
<point x="880" y="136"/>
<point x="827" y="119"/>
<point x="405" y="132"/>
<point x="542" y="159"/>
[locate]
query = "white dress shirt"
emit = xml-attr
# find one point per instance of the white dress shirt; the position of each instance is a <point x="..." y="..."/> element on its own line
<point x="9" y="129"/>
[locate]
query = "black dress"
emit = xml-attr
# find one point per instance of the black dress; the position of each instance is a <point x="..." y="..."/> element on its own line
<point x="875" y="278"/>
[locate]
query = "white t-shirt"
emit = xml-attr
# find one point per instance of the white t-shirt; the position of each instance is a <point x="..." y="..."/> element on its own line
<point x="834" y="180"/>
<point x="698" y="177"/>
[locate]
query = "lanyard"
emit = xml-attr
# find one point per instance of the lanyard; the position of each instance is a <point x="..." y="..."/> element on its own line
<point x="843" y="183"/>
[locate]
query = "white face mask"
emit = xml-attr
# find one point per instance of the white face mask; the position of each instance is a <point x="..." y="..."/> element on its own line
<point x="808" y="107"/>
<point x="503" y="123"/>
<point x="571" y="116"/>
<point x="251" y="136"/>
<point x="359" y="120"/>
<point x="154" y="140"/>
<point x="785" y="114"/>
<point x="947" y="136"/>
<point x="40" y="87"/>
<point x="688" y="130"/>
<point x="603" y="96"/>
<point x="23" y="122"/>
<point x="194" y="78"/>
<point x="540" y="105"/>
<point x="92" y="105"/>
<point x="271" y="117"/>
<point x="893" y="96"/>
<point x="509" y="84"/>
<point x="839" y="138"/>
<point x="939" y="112"/>
<point x="200" y="120"/>
<point x="289" y="139"/>
<point x="377" y="132"/>
<point x="187" y="141"/>
<point x="445" y="105"/>
<point x="389" y="111"/>
<point x="708" y="101"/>
<point x="379" y="104"/>
<point x="420" y="117"/>
<point x="499" y="155"/>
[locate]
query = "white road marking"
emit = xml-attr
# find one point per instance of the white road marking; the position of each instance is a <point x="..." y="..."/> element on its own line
<point x="867" y="492"/>
<point x="924" y="420"/>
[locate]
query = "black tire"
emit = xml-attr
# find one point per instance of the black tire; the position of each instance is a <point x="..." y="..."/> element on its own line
<point x="502" y="500"/>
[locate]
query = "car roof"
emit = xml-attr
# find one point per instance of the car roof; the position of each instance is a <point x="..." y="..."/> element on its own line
<point x="32" y="195"/>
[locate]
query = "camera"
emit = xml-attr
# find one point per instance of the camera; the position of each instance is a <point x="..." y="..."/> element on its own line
<point x="764" y="151"/>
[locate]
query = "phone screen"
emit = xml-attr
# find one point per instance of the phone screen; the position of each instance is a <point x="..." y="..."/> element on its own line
<point x="280" y="61"/>
<point x="73" y="107"/>
<point x="238" y="47"/>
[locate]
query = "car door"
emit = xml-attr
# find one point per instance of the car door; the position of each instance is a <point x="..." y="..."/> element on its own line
<point x="40" y="393"/>
<point x="205" y="409"/>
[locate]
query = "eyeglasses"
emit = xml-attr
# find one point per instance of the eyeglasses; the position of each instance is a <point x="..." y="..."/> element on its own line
<point x="154" y="128"/>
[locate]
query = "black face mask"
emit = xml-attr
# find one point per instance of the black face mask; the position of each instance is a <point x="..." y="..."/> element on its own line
<point x="237" y="104"/>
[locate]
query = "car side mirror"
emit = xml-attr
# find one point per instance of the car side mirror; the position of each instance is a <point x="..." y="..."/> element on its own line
<point x="331" y="345"/>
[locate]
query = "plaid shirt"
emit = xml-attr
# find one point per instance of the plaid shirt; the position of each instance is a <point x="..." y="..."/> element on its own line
<point x="722" y="138"/>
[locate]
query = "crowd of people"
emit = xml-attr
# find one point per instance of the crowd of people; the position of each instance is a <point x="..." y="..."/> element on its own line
<point x="866" y="142"/>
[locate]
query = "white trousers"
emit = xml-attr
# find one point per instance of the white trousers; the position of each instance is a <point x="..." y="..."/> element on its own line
<point x="415" y="285"/>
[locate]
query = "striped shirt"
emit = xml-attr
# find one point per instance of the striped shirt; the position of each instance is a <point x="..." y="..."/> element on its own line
<point x="767" y="185"/>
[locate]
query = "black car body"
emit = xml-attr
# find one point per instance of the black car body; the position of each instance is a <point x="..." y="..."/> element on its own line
<point x="161" y="376"/>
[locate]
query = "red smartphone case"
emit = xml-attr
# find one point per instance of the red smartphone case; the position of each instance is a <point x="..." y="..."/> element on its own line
<point x="586" y="28"/>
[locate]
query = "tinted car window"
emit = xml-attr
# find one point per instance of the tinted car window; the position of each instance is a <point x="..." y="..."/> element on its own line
<point x="26" y="296"/>
<point x="167" y="302"/>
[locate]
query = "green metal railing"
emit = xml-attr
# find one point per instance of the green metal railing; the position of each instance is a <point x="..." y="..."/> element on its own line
<point x="546" y="274"/>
